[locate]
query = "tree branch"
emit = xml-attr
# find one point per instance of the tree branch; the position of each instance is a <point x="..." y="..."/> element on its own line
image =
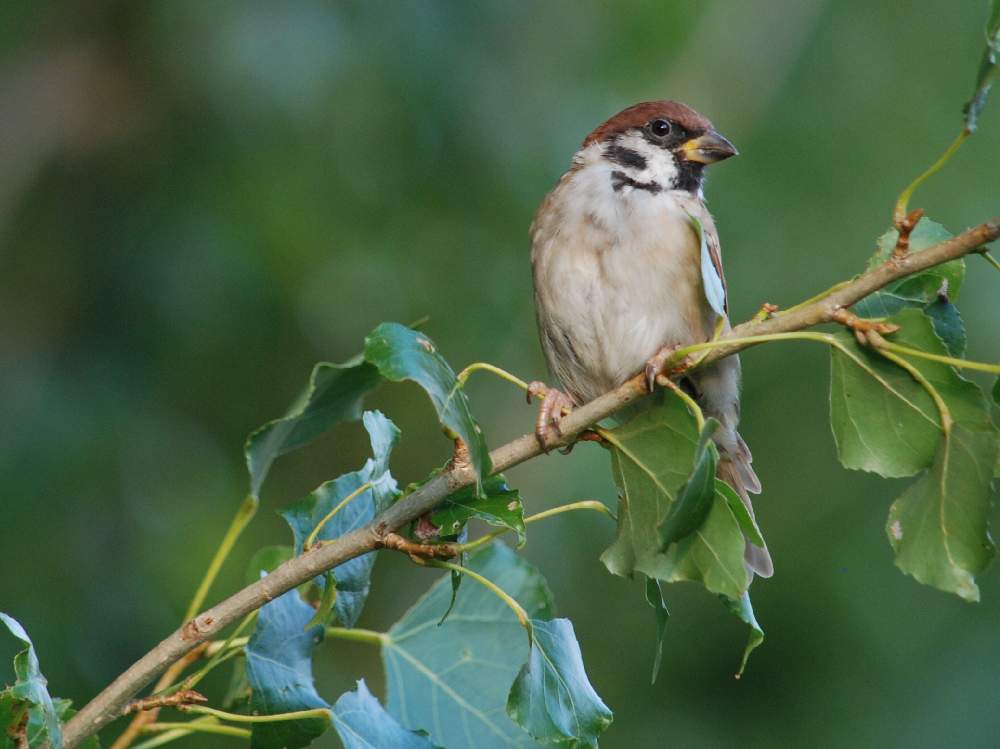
<point x="112" y="702"/>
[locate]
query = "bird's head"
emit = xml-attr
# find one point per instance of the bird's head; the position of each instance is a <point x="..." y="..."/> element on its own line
<point x="659" y="145"/>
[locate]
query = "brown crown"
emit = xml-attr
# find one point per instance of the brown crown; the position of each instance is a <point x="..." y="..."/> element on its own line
<point x="639" y="114"/>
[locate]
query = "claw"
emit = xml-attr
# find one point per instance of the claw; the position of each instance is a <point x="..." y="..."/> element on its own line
<point x="555" y="405"/>
<point x="656" y="363"/>
<point x="536" y="389"/>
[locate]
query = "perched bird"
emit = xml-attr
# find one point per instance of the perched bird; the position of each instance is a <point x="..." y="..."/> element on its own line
<point x="627" y="267"/>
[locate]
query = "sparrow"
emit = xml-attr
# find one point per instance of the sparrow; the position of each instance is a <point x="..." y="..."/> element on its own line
<point x="627" y="267"/>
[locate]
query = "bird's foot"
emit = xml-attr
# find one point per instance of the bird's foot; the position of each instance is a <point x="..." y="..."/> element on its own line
<point x="555" y="405"/>
<point x="656" y="365"/>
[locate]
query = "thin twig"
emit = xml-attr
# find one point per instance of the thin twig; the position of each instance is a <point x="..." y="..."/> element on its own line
<point x="416" y="550"/>
<point x="990" y="259"/>
<point x="183" y="697"/>
<point x="108" y="705"/>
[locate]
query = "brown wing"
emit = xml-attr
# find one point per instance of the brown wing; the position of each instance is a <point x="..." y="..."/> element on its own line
<point x="697" y="208"/>
<point x="715" y="255"/>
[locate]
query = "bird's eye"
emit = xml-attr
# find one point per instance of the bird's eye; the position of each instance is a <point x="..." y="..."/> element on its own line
<point x="660" y="128"/>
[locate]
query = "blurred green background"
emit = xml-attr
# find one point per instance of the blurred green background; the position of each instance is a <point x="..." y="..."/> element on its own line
<point x="199" y="200"/>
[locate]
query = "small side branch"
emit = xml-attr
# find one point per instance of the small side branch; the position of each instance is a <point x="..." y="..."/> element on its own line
<point x="418" y="552"/>
<point x="183" y="697"/>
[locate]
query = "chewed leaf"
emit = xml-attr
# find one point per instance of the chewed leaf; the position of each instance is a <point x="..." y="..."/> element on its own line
<point x="429" y="668"/>
<point x="500" y="506"/>
<point x="654" y="597"/>
<point x="939" y="527"/>
<point x="401" y="353"/>
<point x="334" y="393"/>
<point x="743" y="609"/>
<point x="353" y="577"/>
<point x="715" y="288"/>
<point x="694" y="500"/>
<point x="29" y="694"/>
<point x="552" y="698"/>
<point x="362" y="723"/>
<point x="279" y="671"/>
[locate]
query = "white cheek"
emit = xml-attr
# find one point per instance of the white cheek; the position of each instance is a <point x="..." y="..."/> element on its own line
<point x="660" y="165"/>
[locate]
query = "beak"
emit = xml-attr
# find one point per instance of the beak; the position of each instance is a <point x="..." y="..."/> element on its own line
<point x="708" y="148"/>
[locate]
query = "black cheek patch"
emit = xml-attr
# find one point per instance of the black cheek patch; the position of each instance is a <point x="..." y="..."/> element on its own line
<point x="626" y="157"/>
<point x="620" y="180"/>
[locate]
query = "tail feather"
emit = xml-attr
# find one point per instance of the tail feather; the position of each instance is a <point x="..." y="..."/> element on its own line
<point x="734" y="470"/>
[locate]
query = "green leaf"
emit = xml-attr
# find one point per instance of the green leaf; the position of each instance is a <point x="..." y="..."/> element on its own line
<point x="996" y="391"/>
<point x="552" y="698"/>
<point x="30" y="692"/>
<point x="939" y="527"/>
<point x="456" y="583"/>
<point x="948" y="325"/>
<point x="326" y="602"/>
<point x="334" y="393"/>
<point x="64" y="712"/>
<point x="987" y="69"/>
<point x="501" y="506"/>
<point x="654" y="597"/>
<point x="651" y="458"/>
<point x="401" y="353"/>
<point x="362" y="723"/>
<point x="933" y="290"/>
<point x="947" y="320"/>
<point x="353" y="577"/>
<point x="743" y="609"/>
<point x="453" y="680"/>
<point x="883" y="420"/>
<point x="697" y="495"/>
<point x="926" y="285"/>
<point x="743" y="517"/>
<point x="279" y="670"/>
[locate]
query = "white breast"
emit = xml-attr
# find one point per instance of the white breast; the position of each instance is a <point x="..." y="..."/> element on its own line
<point x="617" y="276"/>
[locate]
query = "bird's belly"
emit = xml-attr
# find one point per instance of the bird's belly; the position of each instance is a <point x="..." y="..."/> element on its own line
<point x="615" y="304"/>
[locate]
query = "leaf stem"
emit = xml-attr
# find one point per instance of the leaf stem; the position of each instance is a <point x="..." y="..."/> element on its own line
<point x="916" y="374"/>
<point x="751" y="340"/>
<point x="245" y="513"/>
<point x="990" y="259"/>
<point x="482" y="366"/>
<point x="960" y="363"/>
<point x="184" y="729"/>
<point x="584" y="504"/>
<point x="318" y="712"/>
<point x="522" y="615"/>
<point x="690" y="402"/>
<point x="311" y="538"/>
<point x="195" y="725"/>
<point x="904" y="197"/>
<point x="357" y="635"/>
